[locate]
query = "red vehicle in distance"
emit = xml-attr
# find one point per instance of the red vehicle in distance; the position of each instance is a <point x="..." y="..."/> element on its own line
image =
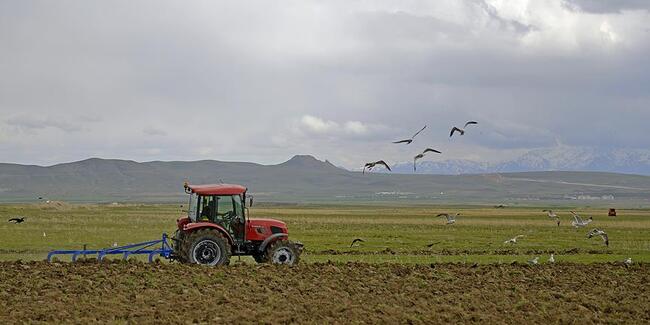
<point x="217" y="226"/>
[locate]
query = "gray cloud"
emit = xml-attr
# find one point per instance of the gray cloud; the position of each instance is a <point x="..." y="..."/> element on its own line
<point x="601" y="6"/>
<point x="340" y="80"/>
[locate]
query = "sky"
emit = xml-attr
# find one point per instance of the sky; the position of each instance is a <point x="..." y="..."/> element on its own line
<point x="262" y="81"/>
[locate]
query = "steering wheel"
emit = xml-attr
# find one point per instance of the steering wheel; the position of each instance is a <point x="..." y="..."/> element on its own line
<point x="228" y="217"/>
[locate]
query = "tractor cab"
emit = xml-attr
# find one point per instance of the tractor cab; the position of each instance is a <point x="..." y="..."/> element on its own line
<point x="222" y="204"/>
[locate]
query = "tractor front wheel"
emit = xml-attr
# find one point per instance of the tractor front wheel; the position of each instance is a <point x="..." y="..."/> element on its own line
<point x="207" y="247"/>
<point x="283" y="252"/>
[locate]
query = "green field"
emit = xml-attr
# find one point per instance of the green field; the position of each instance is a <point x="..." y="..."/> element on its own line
<point x="391" y="233"/>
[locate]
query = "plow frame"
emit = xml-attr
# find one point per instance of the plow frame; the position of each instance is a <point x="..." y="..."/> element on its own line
<point x="144" y="248"/>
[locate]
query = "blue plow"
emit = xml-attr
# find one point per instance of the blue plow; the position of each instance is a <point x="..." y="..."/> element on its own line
<point x="145" y="248"/>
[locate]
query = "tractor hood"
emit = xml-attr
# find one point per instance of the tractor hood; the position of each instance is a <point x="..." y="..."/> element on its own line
<point x="263" y="222"/>
<point x="272" y="226"/>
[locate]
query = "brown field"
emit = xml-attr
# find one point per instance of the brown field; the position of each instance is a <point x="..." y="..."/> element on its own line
<point x="133" y="292"/>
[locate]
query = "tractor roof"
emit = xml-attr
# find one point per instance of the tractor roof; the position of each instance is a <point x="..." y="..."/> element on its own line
<point x="217" y="189"/>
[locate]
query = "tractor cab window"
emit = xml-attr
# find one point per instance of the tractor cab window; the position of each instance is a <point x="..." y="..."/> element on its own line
<point x="193" y="206"/>
<point x="207" y="208"/>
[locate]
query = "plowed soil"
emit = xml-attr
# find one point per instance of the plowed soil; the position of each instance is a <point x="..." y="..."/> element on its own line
<point x="133" y="292"/>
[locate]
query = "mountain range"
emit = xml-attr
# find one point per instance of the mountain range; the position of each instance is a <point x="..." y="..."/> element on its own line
<point x="306" y="179"/>
<point x="564" y="158"/>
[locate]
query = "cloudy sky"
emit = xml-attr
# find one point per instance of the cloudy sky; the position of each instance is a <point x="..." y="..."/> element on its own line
<point x="261" y="80"/>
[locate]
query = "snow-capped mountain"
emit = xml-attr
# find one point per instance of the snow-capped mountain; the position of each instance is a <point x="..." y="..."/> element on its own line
<point x="633" y="161"/>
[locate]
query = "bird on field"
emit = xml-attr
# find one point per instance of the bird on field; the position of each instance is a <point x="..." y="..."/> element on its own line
<point x="500" y="206"/>
<point x="534" y="261"/>
<point x="369" y="166"/>
<point x="513" y="240"/>
<point x="17" y="220"/>
<point x="459" y="130"/>
<point x="578" y="222"/>
<point x="431" y="245"/>
<point x="628" y="261"/>
<point x="421" y="155"/>
<point x="114" y="244"/>
<point x="357" y="240"/>
<point x="451" y="219"/>
<point x="44" y="235"/>
<point x="551" y="259"/>
<point x="601" y="233"/>
<point x="552" y="215"/>
<point x="409" y="140"/>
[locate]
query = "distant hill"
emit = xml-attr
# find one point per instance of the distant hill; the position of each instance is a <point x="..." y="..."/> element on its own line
<point x="566" y="158"/>
<point x="305" y="179"/>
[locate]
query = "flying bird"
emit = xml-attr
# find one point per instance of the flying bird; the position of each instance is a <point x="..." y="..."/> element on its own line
<point x="451" y="219"/>
<point x="459" y="130"/>
<point x="513" y="240"/>
<point x="601" y="233"/>
<point x="552" y="215"/>
<point x="578" y="222"/>
<point x="551" y="259"/>
<point x="369" y="166"/>
<point x="408" y="141"/>
<point x="17" y="220"/>
<point x="534" y="261"/>
<point x="357" y="240"/>
<point x="421" y="155"/>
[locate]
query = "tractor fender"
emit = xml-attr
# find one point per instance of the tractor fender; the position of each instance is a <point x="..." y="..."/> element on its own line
<point x="269" y="239"/>
<point x="201" y="225"/>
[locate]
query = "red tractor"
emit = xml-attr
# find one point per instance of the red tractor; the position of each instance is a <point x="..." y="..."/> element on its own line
<point x="217" y="227"/>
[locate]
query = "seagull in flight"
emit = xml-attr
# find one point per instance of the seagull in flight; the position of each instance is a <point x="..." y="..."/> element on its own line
<point x="421" y="155"/>
<point x="513" y="240"/>
<point x="459" y="130"/>
<point x="451" y="219"/>
<point x="17" y="220"/>
<point x="601" y="233"/>
<point x="369" y="166"/>
<point x="578" y="222"/>
<point x="552" y="215"/>
<point x="357" y="240"/>
<point x="409" y="140"/>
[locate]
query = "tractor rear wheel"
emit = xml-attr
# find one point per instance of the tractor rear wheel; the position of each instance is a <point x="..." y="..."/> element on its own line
<point x="177" y="244"/>
<point x="207" y="247"/>
<point x="283" y="252"/>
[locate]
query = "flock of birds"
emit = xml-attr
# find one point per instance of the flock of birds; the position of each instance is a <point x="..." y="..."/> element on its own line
<point x="369" y="166"/>
<point x="577" y="223"/>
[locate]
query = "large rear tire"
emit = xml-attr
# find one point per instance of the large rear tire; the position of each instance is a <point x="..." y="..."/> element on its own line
<point x="177" y="244"/>
<point x="283" y="252"/>
<point x="207" y="247"/>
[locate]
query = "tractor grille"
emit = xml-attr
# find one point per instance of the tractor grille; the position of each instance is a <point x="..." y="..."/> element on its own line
<point x="276" y="230"/>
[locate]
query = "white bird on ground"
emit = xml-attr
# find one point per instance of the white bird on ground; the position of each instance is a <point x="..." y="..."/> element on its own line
<point x="551" y="259"/>
<point x="578" y="222"/>
<point x="534" y="261"/>
<point x="628" y="261"/>
<point x="114" y="244"/>
<point x="513" y="240"/>
<point x="44" y="235"/>
<point x="451" y="219"/>
<point x="601" y="233"/>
